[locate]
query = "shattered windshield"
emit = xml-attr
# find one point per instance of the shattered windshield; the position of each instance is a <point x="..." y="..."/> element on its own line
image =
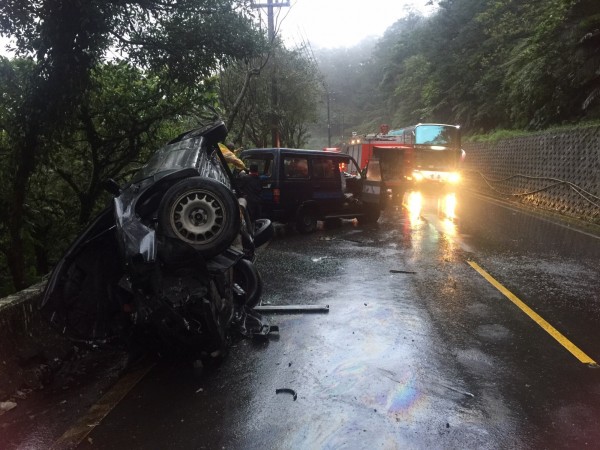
<point x="179" y="155"/>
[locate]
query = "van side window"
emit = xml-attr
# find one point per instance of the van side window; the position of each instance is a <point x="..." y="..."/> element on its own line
<point x="324" y="168"/>
<point x="265" y="165"/>
<point x="294" y="167"/>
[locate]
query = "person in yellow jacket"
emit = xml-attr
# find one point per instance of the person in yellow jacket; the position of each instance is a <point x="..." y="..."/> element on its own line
<point x="230" y="157"/>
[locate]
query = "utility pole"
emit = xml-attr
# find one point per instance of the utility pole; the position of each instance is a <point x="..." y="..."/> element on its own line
<point x="271" y="5"/>
<point x="328" y="122"/>
<point x="328" y="115"/>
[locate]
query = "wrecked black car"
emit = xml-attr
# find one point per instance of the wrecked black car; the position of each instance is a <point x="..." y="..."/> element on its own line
<point x="169" y="262"/>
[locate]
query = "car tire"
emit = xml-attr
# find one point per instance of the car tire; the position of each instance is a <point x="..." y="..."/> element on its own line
<point x="306" y="220"/>
<point x="247" y="276"/>
<point x="202" y="213"/>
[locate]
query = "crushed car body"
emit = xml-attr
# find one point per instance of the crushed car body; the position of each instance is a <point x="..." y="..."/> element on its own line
<point x="170" y="263"/>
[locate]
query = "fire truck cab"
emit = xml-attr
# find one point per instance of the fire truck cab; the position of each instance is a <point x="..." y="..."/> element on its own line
<point x="383" y="157"/>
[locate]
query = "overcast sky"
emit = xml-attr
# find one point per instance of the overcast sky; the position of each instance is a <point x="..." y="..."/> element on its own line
<point x="335" y="23"/>
<point x="341" y="23"/>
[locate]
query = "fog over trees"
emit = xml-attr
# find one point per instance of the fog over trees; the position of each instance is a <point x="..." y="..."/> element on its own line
<point x="483" y="64"/>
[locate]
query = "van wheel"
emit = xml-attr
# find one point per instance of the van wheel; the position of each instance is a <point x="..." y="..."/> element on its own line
<point x="333" y="223"/>
<point x="201" y="212"/>
<point x="371" y="215"/>
<point x="306" y="220"/>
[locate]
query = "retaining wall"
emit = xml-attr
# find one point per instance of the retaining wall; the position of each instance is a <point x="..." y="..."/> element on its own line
<point x="558" y="171"/>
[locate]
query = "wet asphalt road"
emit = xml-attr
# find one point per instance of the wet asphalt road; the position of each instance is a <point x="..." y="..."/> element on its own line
<point x="418" y="350"/>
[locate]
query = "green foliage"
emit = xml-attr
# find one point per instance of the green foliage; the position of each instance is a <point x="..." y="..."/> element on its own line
<point x="47" y="119"/>
<point x="484" y="64"/>
<point x="122" y="119"/>
<point x="498" y="135"/>
<point x="286" y="76"/>
<point x="126" y="115"/>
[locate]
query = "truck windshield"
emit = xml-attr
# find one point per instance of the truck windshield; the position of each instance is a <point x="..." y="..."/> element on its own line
<point x="445" y="135"/>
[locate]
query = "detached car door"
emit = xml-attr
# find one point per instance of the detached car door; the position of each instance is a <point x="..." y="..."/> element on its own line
<point x="373" y="188"/>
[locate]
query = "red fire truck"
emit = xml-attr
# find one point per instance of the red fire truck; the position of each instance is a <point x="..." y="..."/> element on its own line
<point x="421" y="155"/>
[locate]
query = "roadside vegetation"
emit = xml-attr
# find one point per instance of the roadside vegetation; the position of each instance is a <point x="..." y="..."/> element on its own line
<point x="95" y="86"/>
<point x="484" y="64"/>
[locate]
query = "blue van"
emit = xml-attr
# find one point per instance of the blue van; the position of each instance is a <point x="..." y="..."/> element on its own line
<point x="303" y="186"/>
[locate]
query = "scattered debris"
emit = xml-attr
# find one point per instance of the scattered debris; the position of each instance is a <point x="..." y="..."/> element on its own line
<point x="468" y="394"/>
<point x="7" y="406"/>
<point x="292" y="308"/>
<point x="287" y="391"/>
<point x="402" y="271"/>
<point x="353" y="240"/>
<point x="320" y="258"/>
<point x="22" y="393"/>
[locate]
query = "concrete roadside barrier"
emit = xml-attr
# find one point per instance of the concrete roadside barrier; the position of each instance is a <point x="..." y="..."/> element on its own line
<point x="30" y="349"/>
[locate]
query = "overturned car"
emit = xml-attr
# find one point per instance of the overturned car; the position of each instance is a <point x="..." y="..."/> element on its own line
<point x="170" y="262"/>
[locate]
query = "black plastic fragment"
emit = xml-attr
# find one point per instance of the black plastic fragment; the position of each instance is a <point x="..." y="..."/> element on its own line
<point x="287" y="391"/>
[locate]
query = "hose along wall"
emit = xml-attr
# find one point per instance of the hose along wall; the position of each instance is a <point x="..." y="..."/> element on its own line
<point x="558" y="171"/>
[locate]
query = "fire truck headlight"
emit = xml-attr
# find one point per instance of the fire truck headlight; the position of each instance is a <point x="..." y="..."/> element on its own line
<point x="418" y="176"/>
<point x="414" y="204"/>
<point x="454" y="178"/>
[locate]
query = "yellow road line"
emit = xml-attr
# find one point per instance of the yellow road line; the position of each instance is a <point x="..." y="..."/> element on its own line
<point x="562" y="340"/>
<point x="76" y="434"/>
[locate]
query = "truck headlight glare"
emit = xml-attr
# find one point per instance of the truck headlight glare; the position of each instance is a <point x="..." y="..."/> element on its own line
<point x="454" y="178"/>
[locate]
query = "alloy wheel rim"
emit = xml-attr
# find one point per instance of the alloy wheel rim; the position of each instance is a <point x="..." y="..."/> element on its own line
<point x="197" y="217"/>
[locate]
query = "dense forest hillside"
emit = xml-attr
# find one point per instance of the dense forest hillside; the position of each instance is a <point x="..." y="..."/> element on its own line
<point x="483" y="64"/>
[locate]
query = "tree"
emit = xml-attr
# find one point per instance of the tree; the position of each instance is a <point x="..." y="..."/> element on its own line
<point x="298" y="91"/>
<point x="586" y="17"/>
<point x="352" y="82"/>
<point x="123" y="116"/>
<point x="185" y="40"/>
<point x="127" y="114"/>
